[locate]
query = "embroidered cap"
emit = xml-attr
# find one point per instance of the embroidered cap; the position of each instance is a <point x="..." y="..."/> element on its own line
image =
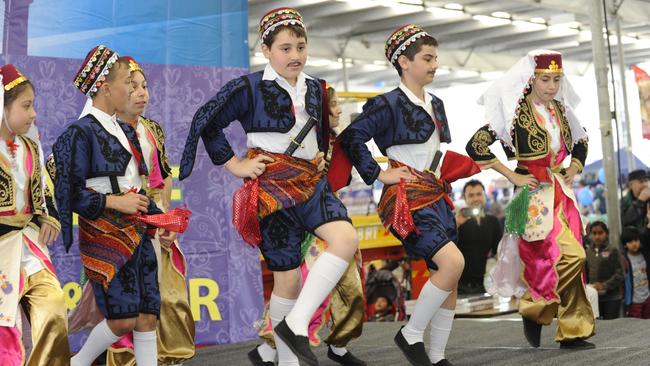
<point x="279" y="17"/>
<point x="401" y="39"/>
<point x="11" y="77"/>
<point x="549" y="63"/>
<point x="94" y="69"/>
<point x="133" y="66"/>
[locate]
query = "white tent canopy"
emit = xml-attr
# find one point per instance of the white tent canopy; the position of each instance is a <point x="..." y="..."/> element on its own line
<point x="478" y="38"/>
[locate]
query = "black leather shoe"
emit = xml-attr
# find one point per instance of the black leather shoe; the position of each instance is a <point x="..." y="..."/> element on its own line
<point x="443" y="362"/>
<point x="348" y="359"/>
<point x="256" y="359"/>
<point x="577" y="344"/>
<point x="299" y="344"/>
<point x="414" y="353"/>
<point x="532" y="331"/>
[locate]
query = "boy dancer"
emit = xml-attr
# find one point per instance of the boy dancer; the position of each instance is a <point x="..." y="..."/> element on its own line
<point x="409" y="124"/>
<point x="176" y="325"/>
<point x="346" y="302"/>
<point x="99" y="169"/>
<point x="281" y="110"/>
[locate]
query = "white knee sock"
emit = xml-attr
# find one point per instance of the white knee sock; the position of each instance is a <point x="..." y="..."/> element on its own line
<point x="279" y="307"/>
<point x="323" y="276"/>
<point x="428" y="303"/>
<point x="145" y="348"/>
<point x="267" y="352"/>
<point x="440" y="329"/>
<point x="100" y="338"/>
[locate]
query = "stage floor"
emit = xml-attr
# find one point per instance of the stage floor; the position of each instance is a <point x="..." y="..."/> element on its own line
<point x="492" y="341"/>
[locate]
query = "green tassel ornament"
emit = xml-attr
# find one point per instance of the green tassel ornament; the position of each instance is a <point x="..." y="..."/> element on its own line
<point x="517" y="213"/>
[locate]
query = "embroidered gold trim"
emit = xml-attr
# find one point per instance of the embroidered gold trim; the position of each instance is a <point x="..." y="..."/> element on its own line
<point x="553" y="68"/>
<point x="17" y="220"/>
<point x="159" y="136"/>
<point x="481" y="141"/>
<point x="50" y="220"/>
<point x="536" y="139"/>
<point x="578" y="163"/>
<point x="14" y="83"/>
<point x="133" y="66"/>
<point x="7" y="192"/>
<point x="35" y="183"/>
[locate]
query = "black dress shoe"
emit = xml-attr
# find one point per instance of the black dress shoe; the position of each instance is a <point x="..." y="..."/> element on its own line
<point x="414" y="353"/>
<point x="443" y="362"/>
<point x="532" y="331"/>
<point x="299" y="344"/>
<point x="256" y="359"/>
<point x="348" y="359"/>
<point x="577" y="344"/>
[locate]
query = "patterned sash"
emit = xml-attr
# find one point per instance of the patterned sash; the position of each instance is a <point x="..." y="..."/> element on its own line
<point x="107" y="243"/>
<point x="286" y="182"/>
<point x="398" y="200"/>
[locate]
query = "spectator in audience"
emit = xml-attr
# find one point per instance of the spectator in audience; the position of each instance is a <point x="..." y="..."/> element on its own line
<point x="384" y="284"/>
<point x="383" y="311"/>
<point x="586" y="239"/>
<point x="637" y="257"/>
<point x="479" y="234"/>
<point x="605" y="271"/>
<point x="403" y="276"/>
<point x="634" y="203"/>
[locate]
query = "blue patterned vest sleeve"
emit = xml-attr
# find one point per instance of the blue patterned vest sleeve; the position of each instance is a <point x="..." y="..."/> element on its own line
<point x="390" y="119"/>
<point x="230" y="103"/>
<point x="72" y="158"/>
<point x="441" y="116"/>
<point x="375" y="118"/>
<point x="314" y="107"/>
<point x="50" y="169"/>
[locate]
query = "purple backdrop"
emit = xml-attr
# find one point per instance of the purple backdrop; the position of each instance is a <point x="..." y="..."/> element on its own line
<point x="218" y="260"/>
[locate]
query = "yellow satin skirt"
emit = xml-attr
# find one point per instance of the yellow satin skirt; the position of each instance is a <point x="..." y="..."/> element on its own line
<point x="573" y="311"/>
<point x="43" y="304"/>
<point x="346" y="308"/>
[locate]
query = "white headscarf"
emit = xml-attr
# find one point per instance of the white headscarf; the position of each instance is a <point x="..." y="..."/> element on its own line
<point x="501" y="100"/>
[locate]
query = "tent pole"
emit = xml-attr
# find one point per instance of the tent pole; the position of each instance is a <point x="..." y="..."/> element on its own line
<point x="605" y="112"/>
<point x="627" y="123"/>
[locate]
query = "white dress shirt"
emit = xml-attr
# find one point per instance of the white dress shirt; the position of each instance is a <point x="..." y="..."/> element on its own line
<point x="131" y="177"/>
<point x="278" y="142"/>
<point x="418" y="156"/>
